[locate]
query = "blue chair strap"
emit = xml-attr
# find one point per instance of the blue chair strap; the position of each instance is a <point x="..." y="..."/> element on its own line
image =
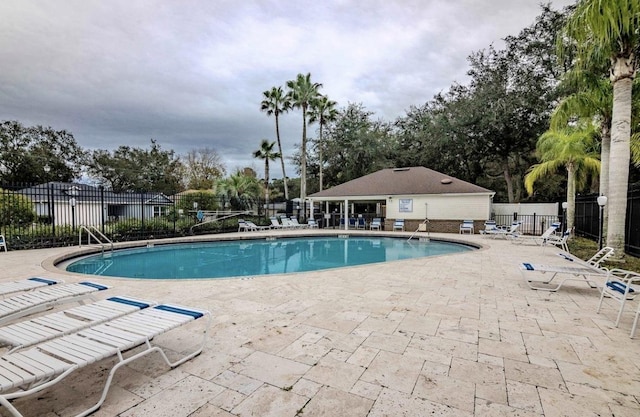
<point x="130" y="302"/>
<point x="44" y="280"/>
<point x="94" y="285"/>
<point x="619" y="286"/>
<point x="172" y="309"/>
<point x="529" y="267"/>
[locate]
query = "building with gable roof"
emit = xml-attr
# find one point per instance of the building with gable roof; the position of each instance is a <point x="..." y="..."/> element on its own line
<point x="413" y="194"/>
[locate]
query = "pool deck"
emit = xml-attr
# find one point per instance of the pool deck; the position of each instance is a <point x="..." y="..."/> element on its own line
<point x="454" y="335"/>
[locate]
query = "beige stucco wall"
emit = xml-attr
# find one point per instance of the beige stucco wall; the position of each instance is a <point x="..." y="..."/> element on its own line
<point x="440" y="207"/>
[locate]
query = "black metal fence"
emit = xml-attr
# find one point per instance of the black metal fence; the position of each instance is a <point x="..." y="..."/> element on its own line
<point x="588" y="219"/>
<point x="53" y="214"/>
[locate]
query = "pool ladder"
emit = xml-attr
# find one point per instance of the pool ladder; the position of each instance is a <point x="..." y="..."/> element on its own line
<point x="97" y="235"/>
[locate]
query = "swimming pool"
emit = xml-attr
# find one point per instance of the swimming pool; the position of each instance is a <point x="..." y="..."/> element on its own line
<point x="242" y="258"/>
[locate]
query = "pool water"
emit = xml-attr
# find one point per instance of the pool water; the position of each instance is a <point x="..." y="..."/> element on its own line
<point x="243" y="258"/>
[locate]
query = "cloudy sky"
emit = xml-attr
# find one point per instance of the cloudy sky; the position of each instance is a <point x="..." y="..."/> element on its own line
<point x="191" y="73"/>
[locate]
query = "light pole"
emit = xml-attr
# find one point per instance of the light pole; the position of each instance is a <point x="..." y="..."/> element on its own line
<point x="564" y="216"/>
<point x="602" y="201"/>
<point x="72" y="202"/>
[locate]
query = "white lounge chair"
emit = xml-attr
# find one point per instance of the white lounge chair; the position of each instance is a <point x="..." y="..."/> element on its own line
<point x="467" y="226"/>
<point x="621" y="286"/>
<point x="503" y="232"/>
<point x="519" y="238"/>
<point x="40" y="329"/>
<point x="243" y="226"/>
<point x="34" y="301"/>
<point x="490" y="226"/>
<point x="312" y="224"/>
<point x="275" y="223"/>
<point x="376" y="224"/>
<point x="559" y="241"/>
<point x="296" y="224"/>
<point x="3" y="243"/>
<point x="28" y="371"/>
<point x="26" y="285"/>
<point x="254" y="227"/>
<point x="398" y="225"/>
<point x="589" y="271"/>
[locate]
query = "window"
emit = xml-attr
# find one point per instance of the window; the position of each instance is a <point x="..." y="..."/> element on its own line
<point x="160" y="211"/>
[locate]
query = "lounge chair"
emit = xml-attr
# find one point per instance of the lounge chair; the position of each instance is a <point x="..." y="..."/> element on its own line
<point x="312" y="224"/>
<point x="506" y="233"/>
<point x="362" y="223"/>
<point x="376" y="224"/>
<point x="3" y="243"/>
<point x="559" y="241"/>
<point x="467" y="226"/>
<point x="600" y="256"/>
<point x="40" y="329"/>
<point x="398" y="225"/>
<point x="28" y="371"/>
<point x="243" y="226"/>
<point x="254" y="227"/>
<point x="635" y="323"/>
<point x="296" y="224"/>
<point x="519" y="238"/>
<point x="26" y="285"/>
<point x="34" y="301"/>
<point x="352" y="222"/>
<point x="490" y="226"/>
<point x="621" y="286"/>
<point x="589" y="271"/>
<point x="275" y="223"/>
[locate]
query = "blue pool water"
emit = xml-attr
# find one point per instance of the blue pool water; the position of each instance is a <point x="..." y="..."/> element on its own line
<point x="256" y="257"/>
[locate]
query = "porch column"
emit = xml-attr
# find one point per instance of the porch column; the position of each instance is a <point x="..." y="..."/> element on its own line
<point x="346" y="214"/>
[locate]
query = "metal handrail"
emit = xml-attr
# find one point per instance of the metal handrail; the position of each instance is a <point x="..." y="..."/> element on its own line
<point x="418" y="229"/>
<point x="90" y="235"/>
<point x="228" y="216"/>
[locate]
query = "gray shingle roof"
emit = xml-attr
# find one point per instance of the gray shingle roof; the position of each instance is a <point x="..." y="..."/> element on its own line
<point x="402" y="181"/>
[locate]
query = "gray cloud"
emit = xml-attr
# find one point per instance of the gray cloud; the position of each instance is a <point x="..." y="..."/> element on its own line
<point x="191" y="73"/>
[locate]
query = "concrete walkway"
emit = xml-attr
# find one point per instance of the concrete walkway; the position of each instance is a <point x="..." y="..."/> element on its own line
<point x="455" y="335"/>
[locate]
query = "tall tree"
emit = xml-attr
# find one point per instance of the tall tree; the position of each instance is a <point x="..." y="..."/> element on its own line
<point x="202" y="168"/>
<point x="574" y="149"/>
<point x="138" y="169"/>
<point x="275" y="102"/>
<point x="356" y="145"/>
<point x="608" y="30"/>
<point x="591" y="99"/>
<point x="38" y="154"/>
<point x="266" y="152"/>
<point x="323" y="111"/>
<point x="302" y="93"/>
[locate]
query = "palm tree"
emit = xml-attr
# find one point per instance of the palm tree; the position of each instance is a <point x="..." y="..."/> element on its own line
<point x="592" y="100"/>
<point x="266" y="152"/>
<point x="323" y="111"/>
<point x="302" y="93"/>
<point x="573" y="149"/>
<point x="239" y="190"/>
<point x="608" y="30"/>
<point x="276" y="102"/>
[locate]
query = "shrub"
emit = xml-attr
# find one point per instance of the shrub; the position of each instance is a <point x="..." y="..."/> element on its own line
<point x="15" y="209"/>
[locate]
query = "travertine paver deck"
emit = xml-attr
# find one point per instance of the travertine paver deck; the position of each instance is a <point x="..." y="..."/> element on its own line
<point x="455" y="335"/>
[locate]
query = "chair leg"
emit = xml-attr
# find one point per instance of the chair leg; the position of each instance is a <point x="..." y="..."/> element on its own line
<point x="635" y="323"/>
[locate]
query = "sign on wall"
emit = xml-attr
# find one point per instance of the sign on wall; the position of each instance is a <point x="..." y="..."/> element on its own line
<point x="405" y="205"/>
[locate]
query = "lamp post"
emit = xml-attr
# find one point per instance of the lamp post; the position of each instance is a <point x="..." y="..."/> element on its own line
<point x="564" y="216"/>
<point x="602" y="201"/>
<point x="72" y="203"/>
